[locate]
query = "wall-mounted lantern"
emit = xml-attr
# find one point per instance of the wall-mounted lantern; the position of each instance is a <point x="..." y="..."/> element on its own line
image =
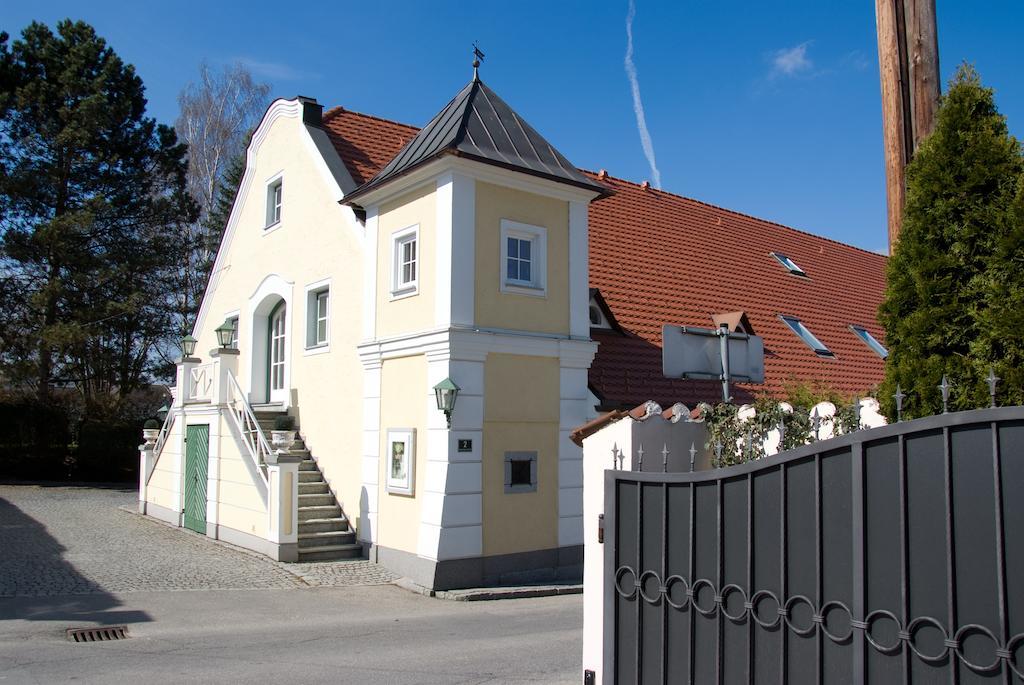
<point x="188" y="345"/>
<point x="446" y="391"/>
<point x="225" y="332"/>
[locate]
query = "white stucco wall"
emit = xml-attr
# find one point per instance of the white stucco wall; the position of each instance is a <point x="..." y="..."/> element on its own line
<point x="317" y="242"/>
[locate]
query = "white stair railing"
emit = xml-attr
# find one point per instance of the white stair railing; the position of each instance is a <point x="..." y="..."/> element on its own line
<point x="161" y="440"/>
<point x="257" y="447"/>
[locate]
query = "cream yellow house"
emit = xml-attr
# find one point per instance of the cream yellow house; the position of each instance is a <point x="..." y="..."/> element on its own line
<point x="345" y="298"/>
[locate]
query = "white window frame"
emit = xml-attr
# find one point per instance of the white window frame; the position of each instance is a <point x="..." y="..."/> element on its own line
<point x="275" y="208"/>
<point x="404" y="485"/>
<point x="602" y="320"/>
<point x="313" y="292"/>
<point x="538" y="237"/>
<point x="399" y="288"/>
<point x="236" y="317"/>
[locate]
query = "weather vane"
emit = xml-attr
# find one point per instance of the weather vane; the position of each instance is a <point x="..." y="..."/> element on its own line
<point x="478" y="56"/>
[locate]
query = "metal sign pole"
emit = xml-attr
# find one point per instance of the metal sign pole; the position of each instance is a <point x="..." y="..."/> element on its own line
<point x="723" y="340"/>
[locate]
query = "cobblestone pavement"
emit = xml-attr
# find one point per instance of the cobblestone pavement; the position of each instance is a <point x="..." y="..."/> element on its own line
<point x="76" y="540"/>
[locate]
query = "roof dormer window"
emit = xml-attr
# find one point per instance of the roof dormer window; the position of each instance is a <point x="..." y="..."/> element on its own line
<point x="804" y="333"/>
<point x="790" y="265"/>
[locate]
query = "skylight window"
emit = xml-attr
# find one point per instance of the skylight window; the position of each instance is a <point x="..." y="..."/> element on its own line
<point x="798" y="327"/>
<point x="789" y="264"/>
<point x="870" y="341"/>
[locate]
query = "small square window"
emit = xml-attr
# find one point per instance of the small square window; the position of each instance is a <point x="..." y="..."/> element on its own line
<point x="520" y="472"/>
<point x="274" y="194"/>
<point x="519" y="261"/>
<point x="405" y="278"/>
<point x="523" y="258"/>
<point x="318" y="311"/>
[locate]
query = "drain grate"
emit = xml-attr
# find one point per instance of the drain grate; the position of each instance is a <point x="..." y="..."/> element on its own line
<point x="97" y="634"/>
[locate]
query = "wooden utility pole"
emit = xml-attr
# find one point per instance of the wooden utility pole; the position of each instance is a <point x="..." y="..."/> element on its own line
<point x="908" y="62"/>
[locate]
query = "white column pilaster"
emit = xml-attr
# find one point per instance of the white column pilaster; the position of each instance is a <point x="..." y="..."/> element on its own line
<point x="574" y="362"/>
<point x="451" y="525"/>
<point x="282" y="504"/>
<point x="455" y="260"/>
<point x="146" y="457"/>
<point x="579" y="272"/>
<point x="370" y="245"/>
<point x="368" y="499"/>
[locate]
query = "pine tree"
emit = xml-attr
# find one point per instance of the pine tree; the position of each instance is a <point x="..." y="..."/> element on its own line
<point x="957" y="261"/>
<point x="92" y="195"/>
<point x="217" y="219"/>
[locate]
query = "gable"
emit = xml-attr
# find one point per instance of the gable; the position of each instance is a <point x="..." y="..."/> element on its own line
<point x="283" y="146"/>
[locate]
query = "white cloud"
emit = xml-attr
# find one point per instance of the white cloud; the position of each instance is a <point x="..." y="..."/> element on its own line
<point x="272" y="70"/>
<point x="638" y="105"/>
<point x="791" y="61"/>
<point x="855" y="59"/>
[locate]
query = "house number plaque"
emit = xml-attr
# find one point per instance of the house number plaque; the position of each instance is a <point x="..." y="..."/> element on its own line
<point x="465" y="445"/>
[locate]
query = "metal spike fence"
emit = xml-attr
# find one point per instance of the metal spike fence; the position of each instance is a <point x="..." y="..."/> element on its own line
<point x="889" y="555"/>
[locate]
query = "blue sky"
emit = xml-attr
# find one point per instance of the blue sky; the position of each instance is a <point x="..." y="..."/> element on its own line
<point x="773" y="110"/>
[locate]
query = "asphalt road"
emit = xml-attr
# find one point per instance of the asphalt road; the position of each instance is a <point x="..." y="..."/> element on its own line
<point x="279" y="628"/>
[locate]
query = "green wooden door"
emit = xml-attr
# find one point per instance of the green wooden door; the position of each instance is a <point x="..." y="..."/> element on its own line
<point x="197" y="451"/>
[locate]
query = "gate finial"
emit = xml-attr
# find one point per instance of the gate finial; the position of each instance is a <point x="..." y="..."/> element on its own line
<point x="993" y="380"/>
<point x="944" y="389"/>
<point x="899" y="397"/>
<point x="693" y="455"/>
<point x="664" y="458"/>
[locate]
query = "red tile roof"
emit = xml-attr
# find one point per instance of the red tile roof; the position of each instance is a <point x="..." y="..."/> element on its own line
<point x="659" y="258"/>
<point x="365" y="143"/>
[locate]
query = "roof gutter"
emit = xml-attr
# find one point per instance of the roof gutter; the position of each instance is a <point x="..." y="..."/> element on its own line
<point x="350" y="199"/>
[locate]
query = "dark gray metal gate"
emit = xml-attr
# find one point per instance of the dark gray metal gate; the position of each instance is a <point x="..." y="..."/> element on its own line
<point x="892" y="555"/>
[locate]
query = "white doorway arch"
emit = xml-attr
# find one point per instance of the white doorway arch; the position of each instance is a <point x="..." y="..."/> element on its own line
<point x="270" y="316"/>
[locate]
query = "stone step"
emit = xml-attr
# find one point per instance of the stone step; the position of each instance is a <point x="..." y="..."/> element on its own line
<point x="326" y="538"/>
<point x="331" y="552"/>
<point x="308" y="465"/>
<point x="267" y="426"/>
<point x="318" y="487"/>
<point x="310" y="477"/>
<point x="319" y="512"/>
<point x="325" y="525"/>
<point x="316" y="500"/>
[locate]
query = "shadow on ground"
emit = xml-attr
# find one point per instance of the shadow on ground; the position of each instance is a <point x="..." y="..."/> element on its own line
<point x="38" y="584"/>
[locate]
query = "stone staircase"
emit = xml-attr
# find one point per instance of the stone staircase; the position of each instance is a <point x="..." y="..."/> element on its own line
<point x="324" y="533"/>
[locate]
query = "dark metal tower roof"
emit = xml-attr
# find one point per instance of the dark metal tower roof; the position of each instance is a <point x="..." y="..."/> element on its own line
<point x="479" y="125"/>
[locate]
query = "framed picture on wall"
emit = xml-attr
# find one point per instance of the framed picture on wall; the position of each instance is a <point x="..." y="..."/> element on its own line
<point x="401" y="460"/>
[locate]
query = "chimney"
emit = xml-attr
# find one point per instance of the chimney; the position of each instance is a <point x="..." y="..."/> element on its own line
<point x="312" y="111"/>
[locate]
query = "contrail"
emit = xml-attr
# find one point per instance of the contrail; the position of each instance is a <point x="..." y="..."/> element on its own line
<point x="638" y="105"/>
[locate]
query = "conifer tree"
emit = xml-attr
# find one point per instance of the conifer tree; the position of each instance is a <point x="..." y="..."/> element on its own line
<point x="92" y="197"/>
<point x="955" y="273"/>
